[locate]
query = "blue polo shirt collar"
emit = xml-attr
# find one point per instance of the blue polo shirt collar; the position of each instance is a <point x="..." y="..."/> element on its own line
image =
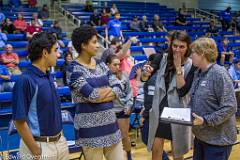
<point x="38" y="72"/>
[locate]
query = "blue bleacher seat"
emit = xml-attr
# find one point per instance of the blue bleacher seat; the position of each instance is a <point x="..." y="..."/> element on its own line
<point x="16" y="37"/>
<point x="18" y="44"/>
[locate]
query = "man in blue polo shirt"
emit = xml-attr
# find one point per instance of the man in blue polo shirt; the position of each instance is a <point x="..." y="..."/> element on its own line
<point x="114" y="29"/>
<point x="36" y="104"/>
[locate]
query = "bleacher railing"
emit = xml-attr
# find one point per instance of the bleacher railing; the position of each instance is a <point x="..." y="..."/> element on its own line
<point x="205" y="14"/>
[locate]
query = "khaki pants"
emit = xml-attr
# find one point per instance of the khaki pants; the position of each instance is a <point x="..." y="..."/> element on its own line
<point x="114" y="152"/>
<point x="50" y="151"/>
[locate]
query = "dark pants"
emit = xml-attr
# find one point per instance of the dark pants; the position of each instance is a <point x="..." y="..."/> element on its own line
<point x="204" y="151"/>
<point x="225" y="25"/>
<point x="144" y="133"/>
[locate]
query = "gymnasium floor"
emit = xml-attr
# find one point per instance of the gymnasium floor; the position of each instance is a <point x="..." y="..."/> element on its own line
<point x="140" y="152"/>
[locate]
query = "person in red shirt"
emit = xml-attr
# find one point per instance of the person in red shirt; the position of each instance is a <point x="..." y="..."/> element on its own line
<point x="32" y="3"/>
<point x="20" y="24"/>
<point x="11" y="60"/>
<point x="32" y="29"/>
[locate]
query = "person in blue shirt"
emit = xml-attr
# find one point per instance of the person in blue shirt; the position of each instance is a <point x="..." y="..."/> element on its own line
<point x="226" y="19"/>
<point x="114" y="29"/>
<point x="4" y="77"/>
<point x="36" y="104"/>
<point x="234" y="72"/>
<point x="2" y="17"/>
<point x="3" y="39"/>
<point x="225" y="51"/>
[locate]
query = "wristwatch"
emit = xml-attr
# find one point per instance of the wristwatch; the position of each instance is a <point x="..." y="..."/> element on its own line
<point x="179" y="72"/>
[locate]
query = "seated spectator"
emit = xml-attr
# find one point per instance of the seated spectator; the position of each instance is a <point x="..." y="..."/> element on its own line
<point x="88" y="6"/>
<point x="226" y="19"/>
<point x="56" y="29"/>
<point x="107" y="9"/>
<point x="212" y="30"/>
<point x="60" y="44"/>
<point x="11" y="60"/>
<point x="5" y="75"/>
<point x="32" y="29"/>
<point x="20" y="24"/>
<point x="157" y="25"/>
<point x="44" y="13"/>
<point x="238" y="21"/>
<point x="8" y="27"/>
<point x="2" y="17"/>
<point x="38" y="22"/>
<point x="134" y="24"/>
<point x="181" y="18"/>
<point x="3" y="39"/>
<point x="114" y="9"/>
<point x="67" y="59"/>
<point x="32" y="3"/>
<point x="225" y="51"/>
<point x="144" y="25"/>
<point x="15" y="3"/>
<point x="234" y="72"/>
<point x="95" y="19"/>
<point x="104" y="17"/>
<point x="72" y="50"/>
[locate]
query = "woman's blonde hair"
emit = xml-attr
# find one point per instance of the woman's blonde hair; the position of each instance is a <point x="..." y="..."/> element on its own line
<point x="206" y="47"/>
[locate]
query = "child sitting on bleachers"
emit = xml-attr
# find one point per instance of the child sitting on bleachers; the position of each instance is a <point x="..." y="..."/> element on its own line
<point x="224" y="51"/>
<point x="11" y="60"/>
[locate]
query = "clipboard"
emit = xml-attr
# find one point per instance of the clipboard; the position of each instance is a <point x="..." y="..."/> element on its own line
<point x="149" y="51"/>
<point x="133" y="73"/>
<point x="180" y="116"/>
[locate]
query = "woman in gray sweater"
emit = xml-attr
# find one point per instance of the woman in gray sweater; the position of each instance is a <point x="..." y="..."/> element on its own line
<point x="213" y="104"/>
<point x="123" y="105"/>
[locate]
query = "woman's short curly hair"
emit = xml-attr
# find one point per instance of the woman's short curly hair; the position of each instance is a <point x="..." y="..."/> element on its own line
<point x="82" y="35"/>
<point x="206" y="47"/>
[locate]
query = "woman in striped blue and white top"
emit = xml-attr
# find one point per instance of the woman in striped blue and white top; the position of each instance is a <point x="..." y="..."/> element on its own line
<point x="93" y="89"/>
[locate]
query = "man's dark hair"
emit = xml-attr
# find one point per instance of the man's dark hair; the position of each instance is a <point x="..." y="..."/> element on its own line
<point x="38" y="43"/>
<point x="82" y="35"/>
